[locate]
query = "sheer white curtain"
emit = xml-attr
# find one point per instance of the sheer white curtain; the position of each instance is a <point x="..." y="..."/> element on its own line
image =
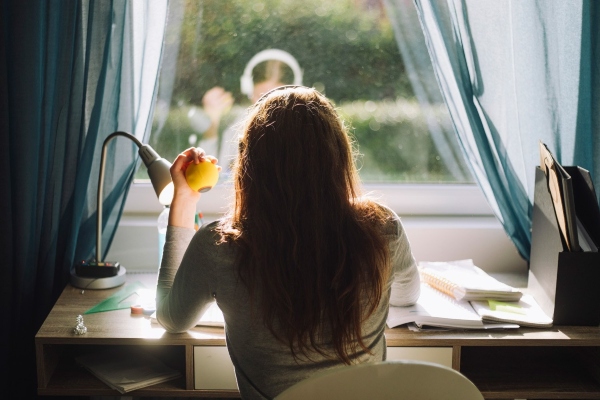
<point x="513" y="73"/>
<point x="411" y="43"/>
<point x="143" y="47"/>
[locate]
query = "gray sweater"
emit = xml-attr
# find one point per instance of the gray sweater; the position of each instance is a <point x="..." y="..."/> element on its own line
<point x="195" y="270"/>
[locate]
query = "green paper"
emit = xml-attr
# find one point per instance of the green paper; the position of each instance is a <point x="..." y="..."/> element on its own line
<point x="116" y="301"/>
<point x="496" y="305"/>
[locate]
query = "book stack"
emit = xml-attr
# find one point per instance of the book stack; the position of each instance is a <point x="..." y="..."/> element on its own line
<point x="460" y="295"/>
<point x="127" y="369"/>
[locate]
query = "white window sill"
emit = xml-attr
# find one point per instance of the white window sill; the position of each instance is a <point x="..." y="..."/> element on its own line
<point x="405" y="199"/>
<point x="443" y="223"/>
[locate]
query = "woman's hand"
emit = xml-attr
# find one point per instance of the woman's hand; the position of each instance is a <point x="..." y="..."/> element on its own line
<point x="217" y="102"/>
<point x="183" y="206"/>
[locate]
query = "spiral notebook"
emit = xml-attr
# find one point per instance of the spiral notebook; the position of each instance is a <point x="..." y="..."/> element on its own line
<point x="463" y="280"/>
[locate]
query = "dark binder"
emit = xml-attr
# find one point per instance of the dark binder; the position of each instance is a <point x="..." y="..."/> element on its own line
<point x="560" y="187"/>
<point x="586" y="202"/>
<point x="563" y="282"/>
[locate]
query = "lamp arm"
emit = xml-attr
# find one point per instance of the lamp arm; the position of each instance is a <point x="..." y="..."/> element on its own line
<point x="101" y="187"/>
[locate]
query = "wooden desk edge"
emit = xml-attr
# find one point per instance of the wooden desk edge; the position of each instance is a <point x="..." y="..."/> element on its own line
<point x="57" y="331"/>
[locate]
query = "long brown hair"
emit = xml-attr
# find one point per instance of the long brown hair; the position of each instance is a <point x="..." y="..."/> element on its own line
<point x="309" y="245"/>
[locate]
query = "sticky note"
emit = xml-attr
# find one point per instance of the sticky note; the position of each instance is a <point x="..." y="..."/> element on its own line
<point x="515" y="308"/>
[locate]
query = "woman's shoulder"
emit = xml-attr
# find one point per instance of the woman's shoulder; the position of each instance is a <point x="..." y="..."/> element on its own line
<point x="210" y="226"/>
<point x="385" y="217"/>
<point x="218" y="233"/>
<point x="393" y="225"/>
<point x="209" y="240"/>
<point x="210" y="232"/>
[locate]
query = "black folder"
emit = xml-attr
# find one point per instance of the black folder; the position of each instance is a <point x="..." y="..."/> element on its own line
<point x="563" y="282"/>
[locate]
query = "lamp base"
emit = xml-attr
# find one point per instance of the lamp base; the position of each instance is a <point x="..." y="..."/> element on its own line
<point x="108" y="282"/>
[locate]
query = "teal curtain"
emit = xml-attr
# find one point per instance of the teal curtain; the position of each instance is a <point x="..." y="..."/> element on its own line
<point x="71" y="73"/>
<point x="512" y="73"/>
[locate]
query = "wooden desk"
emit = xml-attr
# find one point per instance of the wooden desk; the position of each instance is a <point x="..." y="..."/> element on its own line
<point x="557" y="363"/>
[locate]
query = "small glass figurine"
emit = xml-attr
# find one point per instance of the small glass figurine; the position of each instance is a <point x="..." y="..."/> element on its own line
<point x="80" y="329"/>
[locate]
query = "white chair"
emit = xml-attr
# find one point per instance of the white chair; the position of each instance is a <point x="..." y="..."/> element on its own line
<point x="414" y="380"/>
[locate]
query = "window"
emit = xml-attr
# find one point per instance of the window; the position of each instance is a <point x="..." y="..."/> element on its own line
<point x="348" y="49"/>
<point x="370" y="60"/>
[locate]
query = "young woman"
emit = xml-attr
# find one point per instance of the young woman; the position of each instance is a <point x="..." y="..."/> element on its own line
<point x="303" y="267"/>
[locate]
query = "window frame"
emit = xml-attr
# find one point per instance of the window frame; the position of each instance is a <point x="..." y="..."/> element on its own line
<point x="456" y="217"/>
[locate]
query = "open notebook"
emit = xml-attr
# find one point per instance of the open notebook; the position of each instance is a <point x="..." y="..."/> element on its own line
<point x="525" y="312"/>
<point x="212" y="317"/>
<point x="435" y="308"/>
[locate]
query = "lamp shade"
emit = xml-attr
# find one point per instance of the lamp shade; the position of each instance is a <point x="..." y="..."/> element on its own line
<point x="159" y="174"/>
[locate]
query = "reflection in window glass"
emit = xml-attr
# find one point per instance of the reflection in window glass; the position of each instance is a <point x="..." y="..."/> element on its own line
<point x="366" y="55"/>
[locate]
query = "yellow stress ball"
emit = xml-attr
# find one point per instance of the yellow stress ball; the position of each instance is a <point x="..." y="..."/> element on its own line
<point x="202" y="176"/>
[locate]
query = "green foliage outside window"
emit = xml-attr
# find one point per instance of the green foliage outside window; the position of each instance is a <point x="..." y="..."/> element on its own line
<point x="346" y="49"/>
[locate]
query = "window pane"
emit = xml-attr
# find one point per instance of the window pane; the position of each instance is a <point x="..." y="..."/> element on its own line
<point x="346" y="49"/>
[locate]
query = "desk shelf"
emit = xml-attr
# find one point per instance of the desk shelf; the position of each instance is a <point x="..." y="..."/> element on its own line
<point x="532" y="372"/>
<point x="64" y="375"/>
<point x="561" y="362"/>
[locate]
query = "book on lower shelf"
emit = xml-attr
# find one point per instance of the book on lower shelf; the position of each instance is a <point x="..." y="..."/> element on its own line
<point x="435" y="308"/>
<point x="463" y="280"/>
<point x="127" y="369"/>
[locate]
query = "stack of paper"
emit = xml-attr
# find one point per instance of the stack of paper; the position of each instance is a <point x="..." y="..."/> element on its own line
<point x="463" y="280"/>
<point x="128" y="369"/>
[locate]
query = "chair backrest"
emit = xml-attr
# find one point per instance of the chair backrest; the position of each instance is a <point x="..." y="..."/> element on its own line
<point x="414" y="380"/>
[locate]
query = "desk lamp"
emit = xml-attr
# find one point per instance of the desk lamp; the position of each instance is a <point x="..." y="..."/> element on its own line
<point x="99" y="274"/>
